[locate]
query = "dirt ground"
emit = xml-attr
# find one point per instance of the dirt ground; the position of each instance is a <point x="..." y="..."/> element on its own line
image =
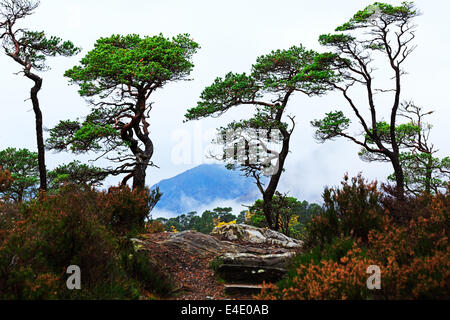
<point x="193" y="278"/>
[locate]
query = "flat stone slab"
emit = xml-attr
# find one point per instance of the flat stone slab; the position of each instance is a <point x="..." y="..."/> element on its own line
<point x="195" y="243"/>
<point x="252" y="268"/>
<point x="250" y="234"/>
<point x="242" y="253"/>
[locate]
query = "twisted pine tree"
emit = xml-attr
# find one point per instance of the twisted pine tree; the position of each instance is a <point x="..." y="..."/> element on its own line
<point x="30" y="50"/>
<point x="118" y="77"/>
<point x="273" y="80"/>
<point x="379" y="31"/>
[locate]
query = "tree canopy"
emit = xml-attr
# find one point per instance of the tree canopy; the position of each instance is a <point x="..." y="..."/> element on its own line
<point x="274" y="78"/>
<point x="5" y="179"/>
<point x="292" y="214"/>
<point x="118" y="77"/>
<point x="22" y="165"/>
<point x="378" y="31"/>
<point x="30" y="49"/>
<point x="423" y="170"/>
<point x="76" y="173"/>
<point x="203" y="223"/>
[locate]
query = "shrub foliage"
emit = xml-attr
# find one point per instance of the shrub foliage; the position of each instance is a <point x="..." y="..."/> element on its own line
<point x="84" y="227"/>
<point x="356" y="230"/>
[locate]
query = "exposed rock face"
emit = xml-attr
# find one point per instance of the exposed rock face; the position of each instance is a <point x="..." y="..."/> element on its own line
<point x="242" y="254"/>
<point x="252" y="268"/>
<point x="249" y="267"/>
<point x="197" y="243"/>
<point x="255" y="235"/>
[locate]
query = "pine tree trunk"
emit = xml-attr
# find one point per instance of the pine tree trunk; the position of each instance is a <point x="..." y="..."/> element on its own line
<point x="428" y="173"/>
<point x="139" y="176"/>
<point x="273" y="184"/>
<point x="39" y="131"/>
<point x="267" y="209"/>
<point x="399" y="177"/>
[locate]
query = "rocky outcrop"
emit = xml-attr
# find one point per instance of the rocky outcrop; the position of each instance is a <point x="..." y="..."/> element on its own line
<point x="254" y="235"/>
<point x="241" y="254"/>
<point x="252" y="268"/>
<point x="195" y="243"/>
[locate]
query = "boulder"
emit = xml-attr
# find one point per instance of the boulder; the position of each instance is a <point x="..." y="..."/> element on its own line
<point x="252" y="268"/>
<point x="254" y="235"/>
<point x="197" y="243"/>
<point x="242" y="253"/>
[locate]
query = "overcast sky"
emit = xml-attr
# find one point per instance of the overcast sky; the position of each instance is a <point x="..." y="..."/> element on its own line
<point x="232" y="34"/>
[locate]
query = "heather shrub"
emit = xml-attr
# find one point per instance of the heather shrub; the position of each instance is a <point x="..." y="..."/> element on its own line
<point x="318" y="276"/>
<point x="413" y="255"/>
<point x="141" y="267"/>
<point x="23" y="283"/>
<point x="75" y="226"/>
<point x="125" y="210"/>
<point x="155" y="226"/>
<point x="9" y="213"/>
<point x="352" y="210"/>
<point x="5" y="179"/>
<point x="54" y="234"/>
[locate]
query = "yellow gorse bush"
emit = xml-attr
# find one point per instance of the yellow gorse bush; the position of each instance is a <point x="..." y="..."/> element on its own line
<point x="218" y="223"/>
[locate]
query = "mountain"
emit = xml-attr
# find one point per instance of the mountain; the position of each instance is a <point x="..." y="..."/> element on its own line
<point x="203" y="185"/>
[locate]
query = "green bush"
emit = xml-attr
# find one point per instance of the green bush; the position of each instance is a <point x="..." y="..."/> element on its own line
<point x="126" y="210"/>
<point x="291" y="215"/>
<point x="412" y="252"/>
<point x="204" y="223"/>
<point x="353" y="210"/>
<point x="76" y="227"/>
<point x="141" y="267"/>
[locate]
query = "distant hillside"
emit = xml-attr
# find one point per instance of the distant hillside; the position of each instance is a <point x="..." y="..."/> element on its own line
<point x="202" y="185"/>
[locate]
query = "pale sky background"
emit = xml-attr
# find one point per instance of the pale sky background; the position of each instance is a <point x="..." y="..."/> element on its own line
<point x="232" y="34"/>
